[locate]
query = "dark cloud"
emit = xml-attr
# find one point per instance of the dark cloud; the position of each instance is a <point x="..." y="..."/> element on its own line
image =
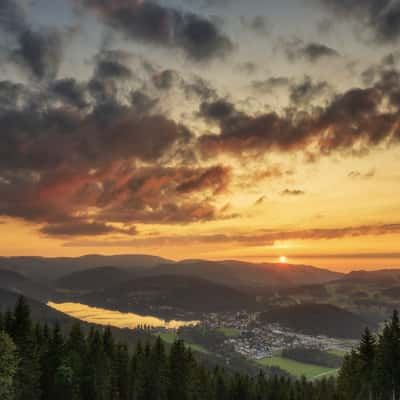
<point x="166" y="80"/>
<point x="41" y="52"/>
<point x="82" y="228"/>
<point x="70" y="91"/>
<point x="381" y="17"/>
<point x="354" y="121"/>
<point x="315" y="51"/>
<point x="312" y="52"/>
<point x="58" y="160"/>
<point x="64" y="151"/>
<point x="141" y="102"/>
<point x="12" y="17"/>
<point x="200" y="89"/>
<point x="108" y="132"/>
<point x="199" y="38"/>
<point x="219" y="110"/>
<point x="38" y="52"/>
<point x="165" y="195"/>
<point x="306" y="90"/>
<point x="107" y="69"/>
<point x="215" y="178"/>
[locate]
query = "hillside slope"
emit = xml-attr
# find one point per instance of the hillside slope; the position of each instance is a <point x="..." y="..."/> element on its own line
<point x="96" y="279"/>
<point x="163" y="293"/>
<point x="19" y="284"/>
<point x="318" y="319"/>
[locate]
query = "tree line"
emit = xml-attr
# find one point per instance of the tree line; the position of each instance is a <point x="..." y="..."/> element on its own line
<point x="372" y="372"/>
<point x="38" y="362"/>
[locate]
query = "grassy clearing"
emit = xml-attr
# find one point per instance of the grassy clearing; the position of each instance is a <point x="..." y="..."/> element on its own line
<point x="229" y="332"/>
<point x="298" y="369"/>
<point x="337" y="352"/>
<point x="170" y="338"/>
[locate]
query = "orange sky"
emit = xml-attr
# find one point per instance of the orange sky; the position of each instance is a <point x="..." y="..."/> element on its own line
<point x="272" y="130"/>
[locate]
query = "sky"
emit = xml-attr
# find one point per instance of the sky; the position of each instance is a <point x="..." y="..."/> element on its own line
<point x="211" y="129"/>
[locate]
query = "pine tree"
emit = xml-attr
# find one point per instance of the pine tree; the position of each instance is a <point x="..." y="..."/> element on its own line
<point x="178" y="373"/>
<point x="76" y="354"/>
<point x="158" y="365"/>
<point x="28" y="373"/>
<point x="8" y="366"/>
<point x="367" y="355"/>
<point x="349" y="382"/>
<point x="121" y="367"/>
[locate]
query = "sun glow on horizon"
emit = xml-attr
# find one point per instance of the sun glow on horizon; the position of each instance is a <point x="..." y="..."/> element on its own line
<point x="283" y="260"/>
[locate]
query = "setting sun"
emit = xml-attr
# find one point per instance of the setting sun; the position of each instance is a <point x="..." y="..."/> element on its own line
<point x="283" y="259"/>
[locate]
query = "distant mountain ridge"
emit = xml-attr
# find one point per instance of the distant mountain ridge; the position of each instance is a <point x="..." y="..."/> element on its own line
<point x="238" y="273"/>
<point x="230" y="272"/>
<point x="383" y="276"/>
<point x="54" y="268"/>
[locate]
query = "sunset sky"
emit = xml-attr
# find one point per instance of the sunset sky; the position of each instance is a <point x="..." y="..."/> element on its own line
<point x="202" y="129"/>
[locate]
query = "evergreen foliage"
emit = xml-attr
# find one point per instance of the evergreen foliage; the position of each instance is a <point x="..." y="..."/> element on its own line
<point x="372" y="372"/>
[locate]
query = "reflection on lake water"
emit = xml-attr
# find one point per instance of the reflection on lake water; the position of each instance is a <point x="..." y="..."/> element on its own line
<point x="118" y="319"/>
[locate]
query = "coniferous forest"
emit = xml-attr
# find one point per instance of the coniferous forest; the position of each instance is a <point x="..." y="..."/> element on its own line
<point x="38" y="362"/>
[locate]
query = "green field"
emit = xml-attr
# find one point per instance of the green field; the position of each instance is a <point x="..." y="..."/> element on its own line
<point x="298" y="369"/>
<point x="336" y="352"/>
<point x="171" y="337"/>
<point x="229" y="332"/>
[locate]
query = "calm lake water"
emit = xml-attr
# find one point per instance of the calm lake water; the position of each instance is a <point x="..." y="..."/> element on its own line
<point x="118" y="319"/>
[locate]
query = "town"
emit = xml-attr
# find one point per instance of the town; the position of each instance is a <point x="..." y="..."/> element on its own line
<point x="243" y="333"/>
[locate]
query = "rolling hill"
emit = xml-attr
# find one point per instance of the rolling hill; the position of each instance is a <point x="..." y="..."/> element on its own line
<point x="170" y="293"/>
<point x="318" y="319"/>
<point x="96" y="279"/>
<point x="248" y="275"/>
<point x="19" y="284"/>
<point x="386" y="277"/>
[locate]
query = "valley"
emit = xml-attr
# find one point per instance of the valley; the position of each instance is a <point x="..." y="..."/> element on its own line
<point x="243" y="314"/>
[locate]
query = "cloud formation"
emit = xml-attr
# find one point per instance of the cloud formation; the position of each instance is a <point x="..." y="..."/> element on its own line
<point x="381" y="17"/>
<point x="199" y="38"/>
<point x="296" y="49"/>
<point x="255" y="239"/>
<point x="353" y="121"/>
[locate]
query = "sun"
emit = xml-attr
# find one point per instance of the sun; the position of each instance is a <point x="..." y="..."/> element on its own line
<point x="283" y="259"/>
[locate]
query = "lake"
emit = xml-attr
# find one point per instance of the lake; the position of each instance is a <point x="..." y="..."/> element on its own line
<point x="117" y="319"/>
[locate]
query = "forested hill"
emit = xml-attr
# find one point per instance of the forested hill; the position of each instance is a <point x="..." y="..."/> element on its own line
<point x="318" y="319"/>
<point x="38" y="362"/>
